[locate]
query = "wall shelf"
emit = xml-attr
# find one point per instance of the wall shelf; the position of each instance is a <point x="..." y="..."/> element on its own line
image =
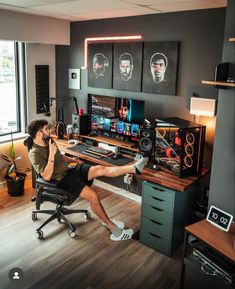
<point x="221" y="83"/>
<point x="232" y="39"/>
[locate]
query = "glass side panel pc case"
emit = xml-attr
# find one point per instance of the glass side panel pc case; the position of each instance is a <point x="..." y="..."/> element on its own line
<point x="179" y="146"/>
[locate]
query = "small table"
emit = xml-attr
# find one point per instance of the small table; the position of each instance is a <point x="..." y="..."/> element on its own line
<point x="222" y="243"/>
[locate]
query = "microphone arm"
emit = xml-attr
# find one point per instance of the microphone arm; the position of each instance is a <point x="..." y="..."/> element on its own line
<point x="47" y="113"/>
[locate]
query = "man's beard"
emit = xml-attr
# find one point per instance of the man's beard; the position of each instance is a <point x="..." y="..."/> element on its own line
<point x="46" y="138"/>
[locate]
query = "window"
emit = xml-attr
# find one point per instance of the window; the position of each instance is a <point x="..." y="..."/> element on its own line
<point x="10" y="87"/>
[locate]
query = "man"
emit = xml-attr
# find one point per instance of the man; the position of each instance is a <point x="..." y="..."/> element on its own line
<point x="51" y="164"/>
<point x="123" y="110"/>
<point x="126" y="66"/>
<point x="158" y="65"/>
<point x="100" y="62"/>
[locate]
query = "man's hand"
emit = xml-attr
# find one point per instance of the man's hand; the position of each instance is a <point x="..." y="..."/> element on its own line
<point x="52" y="149"/>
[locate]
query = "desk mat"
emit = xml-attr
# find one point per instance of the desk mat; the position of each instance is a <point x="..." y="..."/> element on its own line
<point x="118" y="162"/>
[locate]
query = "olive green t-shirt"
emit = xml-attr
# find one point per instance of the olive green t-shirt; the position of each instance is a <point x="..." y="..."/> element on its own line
<point x="39" y="157"/>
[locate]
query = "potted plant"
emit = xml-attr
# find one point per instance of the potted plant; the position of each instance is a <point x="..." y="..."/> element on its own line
<point x="15" y="177"/>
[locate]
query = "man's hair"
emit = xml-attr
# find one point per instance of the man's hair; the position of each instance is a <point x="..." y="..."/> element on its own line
<point x="126" y="56"/>
<point x="155" y="57"/>
<point x="36" y="125"/>
<point x="124" y="103"/>
<point x="101" y="59"/>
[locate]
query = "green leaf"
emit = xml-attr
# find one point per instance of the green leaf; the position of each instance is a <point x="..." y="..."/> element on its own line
<point x="12" y="152"/>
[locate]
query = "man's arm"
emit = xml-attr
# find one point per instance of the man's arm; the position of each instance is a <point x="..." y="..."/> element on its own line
<point x="49" y="168"/>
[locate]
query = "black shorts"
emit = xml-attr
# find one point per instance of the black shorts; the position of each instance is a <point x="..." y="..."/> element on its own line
<point x="76" y="179"/>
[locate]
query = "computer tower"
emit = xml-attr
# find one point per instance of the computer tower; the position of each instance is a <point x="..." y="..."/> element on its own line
<point x="179" y="146"/>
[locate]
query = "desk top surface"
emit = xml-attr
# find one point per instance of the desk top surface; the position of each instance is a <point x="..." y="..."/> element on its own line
<point x="160" y="177"/>
<point x="221" y="241"/>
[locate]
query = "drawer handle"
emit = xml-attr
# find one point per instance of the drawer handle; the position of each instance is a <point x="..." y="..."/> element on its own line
<point x="207" y="269"/>
<point x="156" y="236"/>
<point x="155" y="198"/>
<point x="155" y="222"/>
<point x="158" y="189"/>
<point x="155" y="208"/>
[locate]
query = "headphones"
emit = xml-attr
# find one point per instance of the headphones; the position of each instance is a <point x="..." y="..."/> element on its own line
<point x="60" y="129"/>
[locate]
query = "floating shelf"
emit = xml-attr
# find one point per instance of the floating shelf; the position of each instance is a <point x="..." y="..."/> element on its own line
<point x="221" y="83"/>
<point x="232" y="39"/>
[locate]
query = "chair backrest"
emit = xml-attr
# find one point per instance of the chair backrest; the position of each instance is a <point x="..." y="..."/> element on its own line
<point x="47" y="190"/>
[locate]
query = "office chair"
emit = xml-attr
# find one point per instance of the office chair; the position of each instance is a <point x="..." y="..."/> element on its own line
<point x="50" y="192"/>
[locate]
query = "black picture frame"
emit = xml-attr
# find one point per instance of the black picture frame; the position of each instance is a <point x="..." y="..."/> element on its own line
<point x="127" y="66"/>
<point x="100" y="61"/>
<point x="160" y="56"/>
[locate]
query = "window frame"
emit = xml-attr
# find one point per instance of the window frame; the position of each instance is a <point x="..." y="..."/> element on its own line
<point x="21" y="96"/>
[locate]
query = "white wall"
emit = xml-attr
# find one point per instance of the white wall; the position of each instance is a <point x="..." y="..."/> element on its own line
<point x="35" y="29"/>
<point x="40" y="54"/>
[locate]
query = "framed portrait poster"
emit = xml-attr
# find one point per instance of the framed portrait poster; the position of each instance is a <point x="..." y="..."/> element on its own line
<point x="160" y="67"/>
<point x="127" y="66"/>
<point x="100" y="59"/>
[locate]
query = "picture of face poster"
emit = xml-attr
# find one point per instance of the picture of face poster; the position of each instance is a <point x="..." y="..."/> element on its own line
<point x="160" y="67"/>
<point x="127" y="66"/>
<point x="100" y="58"/>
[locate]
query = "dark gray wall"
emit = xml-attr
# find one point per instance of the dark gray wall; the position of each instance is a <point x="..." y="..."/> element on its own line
<point x="222" y="192"/>
<point x="201" y="41"/>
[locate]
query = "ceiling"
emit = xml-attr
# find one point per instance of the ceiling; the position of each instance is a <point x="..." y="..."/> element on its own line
<point x="82" y="10"/>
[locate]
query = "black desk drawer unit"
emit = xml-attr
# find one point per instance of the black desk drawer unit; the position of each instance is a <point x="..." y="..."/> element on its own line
<point x="164" y="214"/>
<point x="204" y="275"/>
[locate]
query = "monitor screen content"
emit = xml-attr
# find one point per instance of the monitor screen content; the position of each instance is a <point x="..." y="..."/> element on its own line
<point x="116" y="116"/>
<point x="103" y="105"/>
<point x="131" y="110"/>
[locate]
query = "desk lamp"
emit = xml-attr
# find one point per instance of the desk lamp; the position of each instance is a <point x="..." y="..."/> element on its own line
<point x="202" y="107"/>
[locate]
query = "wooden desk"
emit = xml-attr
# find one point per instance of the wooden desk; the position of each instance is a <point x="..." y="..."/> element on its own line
<point x="161" y="177"/>
<point x="166" y="199"/>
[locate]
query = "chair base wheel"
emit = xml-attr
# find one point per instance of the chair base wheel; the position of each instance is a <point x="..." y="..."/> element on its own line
<point x="34" y="216"/>
<point x="72" y="233"/>
<point x="87" y="216"/>
<point x="39" y="234"/>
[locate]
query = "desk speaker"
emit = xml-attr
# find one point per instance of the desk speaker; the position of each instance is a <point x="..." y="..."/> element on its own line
<point x="80" y="123"/>
<point x="147" y="139"/>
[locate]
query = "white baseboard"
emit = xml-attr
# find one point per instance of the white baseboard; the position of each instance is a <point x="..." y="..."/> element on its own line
<point x="118" y="191"/>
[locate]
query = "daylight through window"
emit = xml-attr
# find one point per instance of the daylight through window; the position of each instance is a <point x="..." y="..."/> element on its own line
<point x="9" y="112"/>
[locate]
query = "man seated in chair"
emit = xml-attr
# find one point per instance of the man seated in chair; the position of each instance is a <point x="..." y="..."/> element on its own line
<point x="52" y="165"/>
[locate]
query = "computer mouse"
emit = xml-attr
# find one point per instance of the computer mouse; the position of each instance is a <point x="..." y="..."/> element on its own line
<point x="116" y="156"/>
<point x="73" y="141"/>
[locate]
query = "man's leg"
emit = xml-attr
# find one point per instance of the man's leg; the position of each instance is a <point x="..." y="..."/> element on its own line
<point x="116" y="171"/>
<point x="118" y="234"/>
<point x="92" y="197"/>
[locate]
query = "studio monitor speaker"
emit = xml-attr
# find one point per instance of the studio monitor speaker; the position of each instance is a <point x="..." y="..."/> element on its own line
<point x="221" y="73"/>
<point x="80" y="123"/>
<point x="147" y="139"/>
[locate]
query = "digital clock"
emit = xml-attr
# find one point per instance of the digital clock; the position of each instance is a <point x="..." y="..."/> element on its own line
<point x="219" y="218"/>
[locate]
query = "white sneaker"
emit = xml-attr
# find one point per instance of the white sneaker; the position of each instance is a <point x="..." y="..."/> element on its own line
<point x="126" y="235"/>
<point x="119" y="224"/>
<point x="140" y="164"/>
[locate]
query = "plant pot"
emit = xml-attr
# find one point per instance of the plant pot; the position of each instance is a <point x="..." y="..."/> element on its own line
<point x="15" y="187"/>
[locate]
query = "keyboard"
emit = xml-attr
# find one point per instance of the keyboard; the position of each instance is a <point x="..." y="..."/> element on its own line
<point x="97" y="150"/>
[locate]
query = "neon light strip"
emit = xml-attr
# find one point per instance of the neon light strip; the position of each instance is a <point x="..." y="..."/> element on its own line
<point x="108" y="38"/>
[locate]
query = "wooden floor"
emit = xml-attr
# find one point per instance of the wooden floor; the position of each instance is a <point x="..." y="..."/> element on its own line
<point x="88" y="261"/>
